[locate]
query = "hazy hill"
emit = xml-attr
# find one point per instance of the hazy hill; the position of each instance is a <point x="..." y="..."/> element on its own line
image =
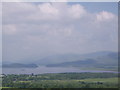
<point x="74" y="63"/>
<point x="19" y="65"/>
<point x="106" y="60"/>
<point x="101" y="57"/>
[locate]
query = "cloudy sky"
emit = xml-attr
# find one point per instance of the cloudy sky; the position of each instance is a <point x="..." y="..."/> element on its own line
<point x="32" y="31"/>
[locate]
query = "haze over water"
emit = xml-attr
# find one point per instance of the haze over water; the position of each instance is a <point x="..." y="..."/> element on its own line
<point x="43" y="69"/>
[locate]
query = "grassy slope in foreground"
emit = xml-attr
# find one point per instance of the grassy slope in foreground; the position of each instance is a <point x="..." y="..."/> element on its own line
<point x="62" y="80"/>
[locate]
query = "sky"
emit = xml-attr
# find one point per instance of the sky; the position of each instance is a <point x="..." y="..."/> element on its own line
<point x="32" y="31"/>
<point x="95" y="7"/>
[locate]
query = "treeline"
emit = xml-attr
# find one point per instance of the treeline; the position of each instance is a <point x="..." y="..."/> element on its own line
<point x="59" y="80"/>
<point x="58" y="76"/>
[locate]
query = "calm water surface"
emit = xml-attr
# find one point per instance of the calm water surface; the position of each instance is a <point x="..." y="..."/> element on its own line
<point x="43" y="69"/>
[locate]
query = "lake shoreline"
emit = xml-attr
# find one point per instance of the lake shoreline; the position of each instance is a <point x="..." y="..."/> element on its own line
<point x="44" y="69"/>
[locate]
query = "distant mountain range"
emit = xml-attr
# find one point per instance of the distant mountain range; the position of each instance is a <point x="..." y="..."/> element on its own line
<point x="102" y="57"/>
<point x="105" y="59"/>
<point x="19" y="65"/>
<point x="74" y="63"/>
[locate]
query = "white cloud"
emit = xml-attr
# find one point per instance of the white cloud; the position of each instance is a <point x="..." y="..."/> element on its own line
<point x="104" y="15"/>
<point x="43" y="11"/>
<point x="76" y="11"/>
<point x="47" y="8"/>
<point x="42" y="29"/>
<point x="9" y="29"/>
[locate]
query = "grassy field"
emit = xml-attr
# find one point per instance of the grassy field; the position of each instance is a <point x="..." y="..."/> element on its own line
<point x="64" y="80"/>
<point x="82" y="83"/>
<point x="105" y="80"/>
